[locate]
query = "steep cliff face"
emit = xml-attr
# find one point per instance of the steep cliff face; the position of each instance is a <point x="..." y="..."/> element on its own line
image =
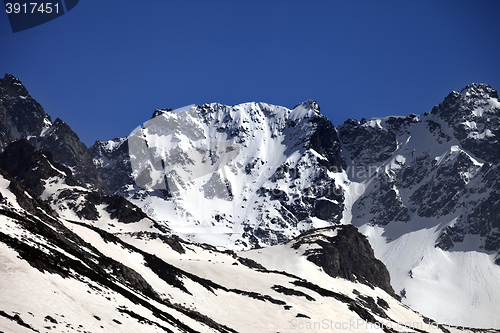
<point x="244" y="176"/>
<point x="438" y="165"/>
<point x="342" y="251"/>
<point x="22" y="117"/>
<point x="39" y="172"/>
<point x="112" y="160"/>
<point x="67" y="148"/>
<point x="429" y="197"/>
<point x="473" y="114"/>
<point x="31" y="167"/>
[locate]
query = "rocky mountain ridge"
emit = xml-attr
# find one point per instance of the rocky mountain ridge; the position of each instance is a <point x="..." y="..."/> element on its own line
<point x="276" y="148"/>
<point x="421" y="188"/>
<point x="446" y="161"/>
<point x="22" y="117"/>
<point x="416" y="186"/>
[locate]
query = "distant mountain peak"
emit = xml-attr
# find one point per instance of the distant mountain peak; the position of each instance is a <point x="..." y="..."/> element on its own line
<point x="159" y="112"/>
<point x="478" y="90"/>
<point x="10" y="85"/>
<point x="309" y="104"/>
<point x="22" y="117"/>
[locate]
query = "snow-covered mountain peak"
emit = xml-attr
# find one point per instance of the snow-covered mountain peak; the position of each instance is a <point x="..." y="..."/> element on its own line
<point x="241" y="163"/>
<point x="159" y="112"/>
<point x="473" y="115"/>
<point x="430" y="190"/>
<point x="309" y="105"/>
<point x="478" y="90"/>
<point x="474" y="101"/>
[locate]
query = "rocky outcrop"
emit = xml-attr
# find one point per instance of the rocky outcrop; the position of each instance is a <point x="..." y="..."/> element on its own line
<point x="442" y="164"/>
<point x="67" y="149"/>
<point x="22" y="117"/>
<point x="32" y="167"/>
<point x="342" y="251"/>
<point x="36" y="170"/>
<point x="113" y="163"/>
<point x="474" y="116"/>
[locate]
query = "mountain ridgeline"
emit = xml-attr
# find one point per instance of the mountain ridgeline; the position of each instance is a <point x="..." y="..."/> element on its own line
<point x="422" y="189"/>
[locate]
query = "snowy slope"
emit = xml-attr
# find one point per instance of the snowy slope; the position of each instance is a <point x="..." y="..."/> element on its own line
<point x="238" y="177"/>
<point x="60" y="275"/>
<point x="429" y="203"/>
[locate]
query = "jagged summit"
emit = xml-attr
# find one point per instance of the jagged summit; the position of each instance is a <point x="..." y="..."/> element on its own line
<point x="475" y="99"/>
<point x="12" y="86"/>
<point x="474" y="116"/>
<point x="247" y="194"/>
<point x="158" y="112"/>
<point x="22" y="117"/>
<point x="310" y="104"/>
<point x="479" y="90"/>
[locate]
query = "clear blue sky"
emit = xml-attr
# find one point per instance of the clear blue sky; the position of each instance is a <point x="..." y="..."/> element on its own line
<point x="106" y="65"/>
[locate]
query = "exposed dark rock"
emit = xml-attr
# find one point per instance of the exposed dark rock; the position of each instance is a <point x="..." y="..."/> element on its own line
<point x="327" y="210"/>
<point x="460" y="107"/>
<point x="31" y="167"/>
<point x="289" y="291"/>
<point x="113" y="164"/>
<point x="16" y="318"/>
<point x="67" y="149"/>
<point x="23" y="117"/>
<point x="174" y="241"/>
<point x="122" y="209"/>
<point x="356" y="137"/>
<point x="369" y="302"/>
<point x="20" y="115"/>
<point x="251" y="263"/>
<point x="348" y="255"/>
<point x="382" y="303"/>
<point x="27" y="199"/>
<point x="300" y="315"/>
<point x="325" y="141"/>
